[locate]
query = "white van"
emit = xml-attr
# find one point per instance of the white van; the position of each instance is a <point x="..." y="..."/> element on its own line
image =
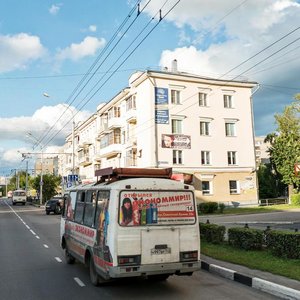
<point x="19" y="196"/>
<point x="127" y="227"/>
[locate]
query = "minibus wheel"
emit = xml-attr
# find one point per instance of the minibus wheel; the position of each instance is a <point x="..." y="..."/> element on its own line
<point x="69" y="258"/>
<point x="93" y="273"/>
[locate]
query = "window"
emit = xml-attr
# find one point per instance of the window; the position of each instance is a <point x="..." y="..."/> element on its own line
<point x="231" y="157"/>
<point x="176" y="126"/>
<point x="130" y="103"/>
<point x="202" y="99"/>
<point x="206" y="188"/>
<point x="90" y="206"/>
<point x="175" y="97"/>
<point x="204" y="128"/>
<point x="177" y="157"/>
<point x="79" y="206"/>
<point x="228" y="101"/>
<point x="230" y="129"/>
<point x="205" y="157"/>
<point x="234" y="187"/>
<point x="102" y="206"/>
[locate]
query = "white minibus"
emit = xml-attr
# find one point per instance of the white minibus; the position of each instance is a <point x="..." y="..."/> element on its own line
<point x="132" y="222"/>
<point x="19" y="196"/>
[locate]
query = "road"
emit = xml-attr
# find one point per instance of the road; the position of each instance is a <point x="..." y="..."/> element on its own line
<point x="289" y="220"/>
<point x="33" y="268"/>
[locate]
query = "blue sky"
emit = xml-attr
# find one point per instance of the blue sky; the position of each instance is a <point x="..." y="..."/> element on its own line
<point x="47" y="47"/>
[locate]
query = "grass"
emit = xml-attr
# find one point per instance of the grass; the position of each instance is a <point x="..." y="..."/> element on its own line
<point x="258" y="209"/>
<point x="260" y="260"/>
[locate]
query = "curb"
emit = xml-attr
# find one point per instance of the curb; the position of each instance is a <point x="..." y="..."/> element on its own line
<point x="254" y="282"/>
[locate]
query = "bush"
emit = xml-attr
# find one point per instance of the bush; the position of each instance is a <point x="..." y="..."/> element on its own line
<point x="212" y="233"/>
<point x="221" y="207"/>
<point x="245" y="238"/>
<point x="284" y="244"/>
<point x="207" y="207"/>
<point x="295" y="199"/>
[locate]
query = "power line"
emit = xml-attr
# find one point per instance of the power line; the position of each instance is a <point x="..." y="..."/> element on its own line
<point x="160" y="19"/>
<point x="90" y="70"/>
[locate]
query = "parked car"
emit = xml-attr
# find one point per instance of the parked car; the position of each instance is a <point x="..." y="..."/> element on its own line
<point x="54" y="205"/>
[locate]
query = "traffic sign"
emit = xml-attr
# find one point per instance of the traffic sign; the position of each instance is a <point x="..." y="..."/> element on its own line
<point x="69" y="184"/>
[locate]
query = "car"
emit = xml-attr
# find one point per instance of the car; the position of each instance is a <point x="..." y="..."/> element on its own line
<point x="54" y="205"/>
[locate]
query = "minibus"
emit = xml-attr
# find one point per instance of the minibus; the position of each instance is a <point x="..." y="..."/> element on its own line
<point x="19" y="196"/>
<point x="132" y="223"/>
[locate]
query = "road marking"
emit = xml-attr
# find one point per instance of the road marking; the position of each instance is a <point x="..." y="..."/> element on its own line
<point x="32" y="231"/>
<point x="79" y="282"/>
<point x="46" y="246"/>
<point x="37" y="237"/>
<point x="58" y="259"/>
<point x="27" y="227"/>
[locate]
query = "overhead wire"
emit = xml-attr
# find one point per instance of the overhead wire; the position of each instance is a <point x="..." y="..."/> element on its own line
<point x="69" y="102"/>
<point x="136" y="47"/>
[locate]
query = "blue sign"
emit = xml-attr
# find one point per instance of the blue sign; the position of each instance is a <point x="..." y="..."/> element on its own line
<point x="162" y="116"/>
<point x="161" y="96"/>
<point x="69" y="184"/>
<point x="72" y="177"/>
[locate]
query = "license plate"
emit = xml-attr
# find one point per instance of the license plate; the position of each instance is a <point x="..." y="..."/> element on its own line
<point x="160" y="251"/>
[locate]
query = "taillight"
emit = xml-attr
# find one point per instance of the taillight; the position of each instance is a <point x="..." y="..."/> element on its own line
<point x="129" y="260"/>
<point x="189" y="256"/>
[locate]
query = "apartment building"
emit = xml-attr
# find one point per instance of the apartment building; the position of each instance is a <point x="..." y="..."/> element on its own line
<point x="261" y="150"/>
<point x="201" y="127"/>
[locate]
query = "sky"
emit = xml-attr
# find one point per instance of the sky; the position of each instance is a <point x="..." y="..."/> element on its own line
<point x="60" y="60"/>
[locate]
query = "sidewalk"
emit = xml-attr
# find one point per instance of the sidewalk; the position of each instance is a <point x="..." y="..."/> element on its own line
<point x="276" y="285"/>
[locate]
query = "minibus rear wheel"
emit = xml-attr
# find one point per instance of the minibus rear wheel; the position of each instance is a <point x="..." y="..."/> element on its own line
<point x="93" y="274"/>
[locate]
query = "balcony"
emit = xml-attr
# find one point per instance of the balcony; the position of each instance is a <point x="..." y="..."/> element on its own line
<point x="111" y="150"/>
<point x="85" y="161"/>
<point x="131" y="143"/>
<point x="114" y="122"/>
<point x="131" y="116"/>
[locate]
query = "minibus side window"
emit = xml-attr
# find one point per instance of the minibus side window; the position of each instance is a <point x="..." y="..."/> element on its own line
<point x="79" y="209"/>
<point x="102" y="207"/>
<point x="90" y="207"/>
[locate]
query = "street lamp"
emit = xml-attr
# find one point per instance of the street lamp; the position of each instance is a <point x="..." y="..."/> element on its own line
<point x="29" y="134"/>
<point x="73" y="135"/>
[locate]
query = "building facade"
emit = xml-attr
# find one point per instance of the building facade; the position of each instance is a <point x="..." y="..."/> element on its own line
<point x="201" y="127"/>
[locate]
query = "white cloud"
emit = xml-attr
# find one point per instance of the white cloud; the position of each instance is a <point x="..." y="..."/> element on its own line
<point x="17" y="51"/>
<point x="54" y="9"/>
<point x="87" y="47"/>
<point x="17" y="129"/>
<point x="93" y="28"/>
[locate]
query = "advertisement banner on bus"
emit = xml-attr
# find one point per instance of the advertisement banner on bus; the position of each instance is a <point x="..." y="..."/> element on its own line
<point x="156" y="208"/>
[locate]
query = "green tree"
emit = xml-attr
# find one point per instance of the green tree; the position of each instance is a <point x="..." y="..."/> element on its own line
<point x="50" y="185"/>
<point x="285" y="143"/>
<point x="270" y="182"/>
<point x="21" y="175"/>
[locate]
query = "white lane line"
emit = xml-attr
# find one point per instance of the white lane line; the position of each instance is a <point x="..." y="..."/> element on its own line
<point x="46" y="246"/>
<point x="58" y="259"/>
<point x="79" y="282"/>
<point x="37" y="237"/>
<point x="32" y="231"/>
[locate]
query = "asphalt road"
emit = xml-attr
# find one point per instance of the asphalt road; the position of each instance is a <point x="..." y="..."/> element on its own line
<point x="32" y="267"/>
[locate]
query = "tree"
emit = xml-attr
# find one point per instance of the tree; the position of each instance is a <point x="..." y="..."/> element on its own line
<point x="285" y="144"/>
<point x="270" y="182"/>
<point x="50" y="185"/>
<point x="21" y="175"/>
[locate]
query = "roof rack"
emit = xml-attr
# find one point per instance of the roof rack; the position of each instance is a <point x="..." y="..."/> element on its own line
<point x="110" y="174"/>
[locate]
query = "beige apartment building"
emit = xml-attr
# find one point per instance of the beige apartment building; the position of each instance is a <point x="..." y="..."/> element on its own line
<point x="200" y="127"/>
